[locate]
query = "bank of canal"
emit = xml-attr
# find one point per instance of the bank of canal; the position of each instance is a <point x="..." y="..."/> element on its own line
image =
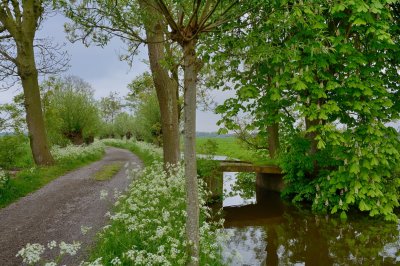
<point x="268" y="231"/>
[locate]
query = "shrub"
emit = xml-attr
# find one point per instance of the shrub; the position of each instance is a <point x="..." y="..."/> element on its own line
<point x="14" y="151"/>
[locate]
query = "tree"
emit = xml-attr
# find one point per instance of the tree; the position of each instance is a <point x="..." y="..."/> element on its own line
<point x="334" y="66"/>
<point x="110" y="107"/>
<point x="12" y="116"/>
<point x="143" y="100"/>
<point x="124" y="125"/>
<point x="70" y="109"/>
<point x="19" y="21"/>
<point x="148" y="121"/>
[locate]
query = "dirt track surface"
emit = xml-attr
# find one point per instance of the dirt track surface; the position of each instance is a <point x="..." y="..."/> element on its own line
<point x="58" y="210"/>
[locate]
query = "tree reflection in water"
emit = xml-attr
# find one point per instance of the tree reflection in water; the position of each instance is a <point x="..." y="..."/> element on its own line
<point x="271" y="232"/>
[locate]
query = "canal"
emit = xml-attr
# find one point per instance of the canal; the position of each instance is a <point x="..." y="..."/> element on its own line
<point x="267" y="231"/>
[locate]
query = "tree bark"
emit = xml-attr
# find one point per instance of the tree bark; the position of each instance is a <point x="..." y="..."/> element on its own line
<point x="273" y="139"/>
<point x="166" y="88"/>
<point x="34" y="114"/>
<point x="22" y="25"/>
<point x="192" y="198"/>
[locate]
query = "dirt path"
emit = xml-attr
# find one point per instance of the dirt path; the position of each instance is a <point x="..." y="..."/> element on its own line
<point x="58" y="210"/>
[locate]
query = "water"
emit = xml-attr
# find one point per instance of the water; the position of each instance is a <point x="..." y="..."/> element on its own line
<point x="266" y="231"/>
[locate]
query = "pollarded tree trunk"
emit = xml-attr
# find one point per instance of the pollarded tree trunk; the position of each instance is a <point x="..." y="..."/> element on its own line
<point x="192" y="199"/>
<point x="166" y="88"/>
<point x="273" y="139"/>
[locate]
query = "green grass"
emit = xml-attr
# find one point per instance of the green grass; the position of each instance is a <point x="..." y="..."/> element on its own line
<point x="29" y="180"/>
<point x="107" y="171"/>
<point x="233" y="149"/>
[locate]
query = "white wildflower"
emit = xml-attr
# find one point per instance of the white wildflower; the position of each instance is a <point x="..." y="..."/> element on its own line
<point x="70" y="249"/>
<point x="31" y="253"/>
<point x="103" y="194"/>
<point x="52" y="244"/>
<point x="116" y="261"/>
<point x="85" y="229"/>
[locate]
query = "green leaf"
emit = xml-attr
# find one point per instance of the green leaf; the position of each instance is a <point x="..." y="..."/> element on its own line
<point x="343" y="215"/>
<point x="334" y="209"/>
<point x="359" y="21"/>
<point x="300" y="85"/>
<point x="354" y="168"/>
<point x="363" y="206"/>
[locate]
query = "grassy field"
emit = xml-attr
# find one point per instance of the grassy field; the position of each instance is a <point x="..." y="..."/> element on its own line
<point x="232" y="148"/>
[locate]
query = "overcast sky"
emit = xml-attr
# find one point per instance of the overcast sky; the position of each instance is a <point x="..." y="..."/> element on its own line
<point x="102" y="68"/>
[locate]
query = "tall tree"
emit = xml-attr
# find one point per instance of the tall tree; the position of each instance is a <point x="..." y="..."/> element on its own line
<point x="110" y="107"/>
<point x="19" y="21"/>
<point x="335" y="65"/>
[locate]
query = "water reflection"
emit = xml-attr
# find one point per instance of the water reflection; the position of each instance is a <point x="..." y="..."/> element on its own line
<point x="270" y="232"/>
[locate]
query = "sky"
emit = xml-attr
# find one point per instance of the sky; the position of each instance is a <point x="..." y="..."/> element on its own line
<point x="102" y="68"/>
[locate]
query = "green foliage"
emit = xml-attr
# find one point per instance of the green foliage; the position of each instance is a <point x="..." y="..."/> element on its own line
<point x="70" y="110"/>
<point x="244" y="186"/>
<point x="124" y="124"/>
<point x="148" y="121"/>
<point x="15" y="152"/>
<point x="12" y="116"/>
<point x="140" y="89"/>
<point x="342" y="82"/>
<point x="110" y="107"/>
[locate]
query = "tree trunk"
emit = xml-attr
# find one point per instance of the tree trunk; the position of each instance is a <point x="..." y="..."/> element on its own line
<point x="166" y="88"/>
<point x="273" y="139"/>
<point x="192" y="207"/>
<point x="34" y="114"/>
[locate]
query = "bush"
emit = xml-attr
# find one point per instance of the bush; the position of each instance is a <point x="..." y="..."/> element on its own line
<point x="14" y="152"/>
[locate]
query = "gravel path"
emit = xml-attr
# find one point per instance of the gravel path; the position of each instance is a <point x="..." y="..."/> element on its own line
<point x="58" y="210"/>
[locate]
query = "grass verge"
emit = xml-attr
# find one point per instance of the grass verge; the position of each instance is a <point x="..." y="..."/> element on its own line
<point x="107" y="171"/>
